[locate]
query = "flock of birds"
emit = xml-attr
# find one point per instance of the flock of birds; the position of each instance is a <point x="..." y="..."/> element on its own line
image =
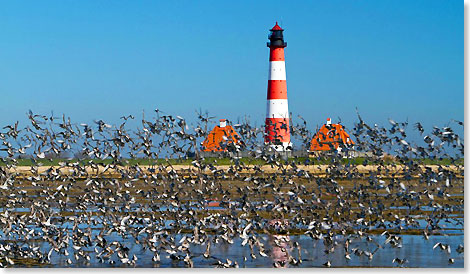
<point x="74" y="211"/>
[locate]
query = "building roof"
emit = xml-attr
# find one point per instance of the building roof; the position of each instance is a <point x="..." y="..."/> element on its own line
<point x="220" y="137"/>
<point x="330" y="137"/>
<point x="276" y="27"/>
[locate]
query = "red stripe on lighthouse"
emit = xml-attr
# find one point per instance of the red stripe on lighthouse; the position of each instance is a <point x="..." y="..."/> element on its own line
<point x="277" y="89"/>
<point x="276" y="54"/>
<point x="277" y="130"/>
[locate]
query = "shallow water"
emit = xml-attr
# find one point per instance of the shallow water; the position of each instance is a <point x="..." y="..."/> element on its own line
<point x="414" y="248"/>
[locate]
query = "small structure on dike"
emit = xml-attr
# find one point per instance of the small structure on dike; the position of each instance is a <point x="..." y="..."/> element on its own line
<point x="221" y="139"/>
<point x="330" y="137"/>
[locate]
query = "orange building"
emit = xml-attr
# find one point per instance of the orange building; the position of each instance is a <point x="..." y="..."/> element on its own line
<point x="220" y="137"/>
<point x="330" y="137"/>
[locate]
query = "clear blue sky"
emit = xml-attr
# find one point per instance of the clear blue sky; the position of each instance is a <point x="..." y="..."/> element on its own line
<point x="105" y="59"/>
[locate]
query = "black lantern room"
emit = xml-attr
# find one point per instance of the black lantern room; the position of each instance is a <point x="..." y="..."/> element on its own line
<point x="276" y="38"/>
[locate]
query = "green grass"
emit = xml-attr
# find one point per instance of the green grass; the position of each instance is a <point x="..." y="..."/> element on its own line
<point x="441" y="161"/>
<point x="228" y="161"/>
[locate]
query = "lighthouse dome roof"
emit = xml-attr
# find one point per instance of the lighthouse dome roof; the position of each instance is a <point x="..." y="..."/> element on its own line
<point x="276" y="27"/>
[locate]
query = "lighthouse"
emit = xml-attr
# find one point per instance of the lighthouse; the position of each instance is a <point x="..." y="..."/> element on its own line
<point x="277" y="132"/>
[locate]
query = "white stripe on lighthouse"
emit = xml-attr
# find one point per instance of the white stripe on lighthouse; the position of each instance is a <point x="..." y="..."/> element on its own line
<point x="277" y="70"/>
<point x="277" y="108"/>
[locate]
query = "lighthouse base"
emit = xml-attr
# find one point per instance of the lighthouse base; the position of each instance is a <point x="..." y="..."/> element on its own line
<point x="283" y="151"/>
<point x="283" y="147"/>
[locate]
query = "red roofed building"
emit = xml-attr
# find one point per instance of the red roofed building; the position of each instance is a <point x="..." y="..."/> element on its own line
<point x="330" y="137"/>
<point x="221" y="136"/>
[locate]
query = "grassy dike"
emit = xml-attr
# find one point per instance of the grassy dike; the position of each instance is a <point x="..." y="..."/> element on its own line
<point x="229" y="161"/>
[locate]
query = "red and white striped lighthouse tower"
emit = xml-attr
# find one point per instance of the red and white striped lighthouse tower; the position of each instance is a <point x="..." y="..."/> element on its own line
<point x="277" y="132"/>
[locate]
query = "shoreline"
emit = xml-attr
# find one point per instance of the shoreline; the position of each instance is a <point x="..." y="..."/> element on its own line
<point x="318" y="170"/>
